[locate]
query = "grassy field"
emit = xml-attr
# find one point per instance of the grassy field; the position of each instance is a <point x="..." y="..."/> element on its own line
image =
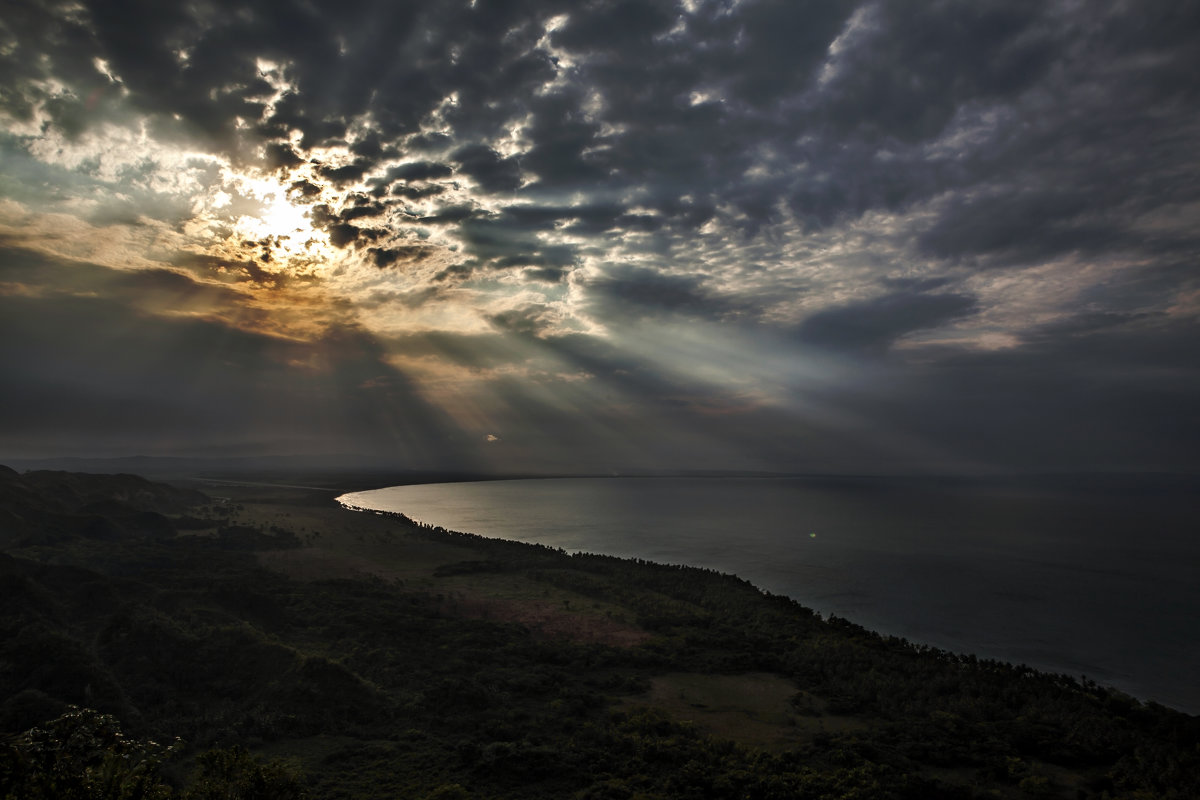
<point x="757" y="710"/>
<point x="338" y="543"/>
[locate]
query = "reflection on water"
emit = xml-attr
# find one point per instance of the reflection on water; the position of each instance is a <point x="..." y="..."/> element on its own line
<point x="1096" y="581"/>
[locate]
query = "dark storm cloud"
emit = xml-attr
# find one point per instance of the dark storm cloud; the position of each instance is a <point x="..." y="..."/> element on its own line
<point x="365" y="210"/>
<point x="338" y="224"/>
<point x="537" y="262"/>
<point x="419" y="171"/>
<point x="342" y="234"/>
<point x="349" y="173"/>
<point x="917" y="62"/>
<point x="733" y="151"/>
<point x="1075" y="191"/>
<point x="1022" y="225"/>
<point x="33" y="273"/>
<point x="414" y="299"/>
<point x="503" y="244"/>
<point x="282" y="155"/>
<point x="528" y="319"/>
<point x="384" y="257"/>
<point x="633" y="293"/>
<point x="550" y="256"/>
<point x="44" y="40"/>
<point x="897" y="80"/>
<point x="874" y="325"/>
<point x="147" y="377"/>
<point x="199" y="64"/>
<point x="451" y="214"/>
<point x="417" y="192"/>
<point x="227" y="269"/>
<point x="306" y="188"/>
<point x="545" y="274"/>
<point x="488" y="168"/>
<point x="1111" y="392"/>
<point x="617" y="27"/>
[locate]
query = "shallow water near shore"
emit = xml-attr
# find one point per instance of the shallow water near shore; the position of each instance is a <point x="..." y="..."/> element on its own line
<point x="1095" y="580"/>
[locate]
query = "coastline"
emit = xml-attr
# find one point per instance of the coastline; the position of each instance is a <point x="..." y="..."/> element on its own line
<point x="996" y="635"/>
<point x="400" y="658"/>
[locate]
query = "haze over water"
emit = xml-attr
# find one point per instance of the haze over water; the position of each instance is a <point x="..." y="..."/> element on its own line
<point x="1098" y="582"/>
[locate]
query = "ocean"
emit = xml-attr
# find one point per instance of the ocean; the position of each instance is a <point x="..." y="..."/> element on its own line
<point x="1098" y="578"/>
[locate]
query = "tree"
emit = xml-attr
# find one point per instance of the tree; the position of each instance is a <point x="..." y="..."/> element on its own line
<point x="82" y="755"/>
<point x="233" y="774"/>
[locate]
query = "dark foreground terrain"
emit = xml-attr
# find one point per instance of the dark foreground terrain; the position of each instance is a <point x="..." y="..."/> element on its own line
<point x="261" y="642"/>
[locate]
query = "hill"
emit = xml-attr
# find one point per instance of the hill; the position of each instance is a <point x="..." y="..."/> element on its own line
<point x="344" y="654"/>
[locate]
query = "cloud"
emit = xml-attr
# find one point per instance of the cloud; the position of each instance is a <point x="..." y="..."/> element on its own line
<point x="148" y="361"/>
<point x="875" y="325"/>
<point x="908" y="67"/>
<point x="419" y="171"/>
<point x="829" y="219"/>
<point x="488" y="168"/>
<point x="1103" y="393"/>
<point x="631" y="293"/>
<point x="528" y="319"/>
<point x="398" y="256"/>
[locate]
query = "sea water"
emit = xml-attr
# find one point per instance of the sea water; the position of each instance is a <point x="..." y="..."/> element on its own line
<point x="1088" y="579"/>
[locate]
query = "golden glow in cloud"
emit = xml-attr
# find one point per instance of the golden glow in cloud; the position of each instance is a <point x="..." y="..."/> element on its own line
<point x="259" y="221"/>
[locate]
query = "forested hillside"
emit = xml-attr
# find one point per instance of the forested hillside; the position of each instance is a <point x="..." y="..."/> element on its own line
<point x="155" y="642"/>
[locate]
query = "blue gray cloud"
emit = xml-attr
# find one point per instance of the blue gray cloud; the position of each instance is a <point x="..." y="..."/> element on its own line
<point x="789" y="234"/>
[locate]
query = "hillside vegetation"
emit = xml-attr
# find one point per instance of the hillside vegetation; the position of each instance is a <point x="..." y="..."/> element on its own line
<point x="155" y="642"/>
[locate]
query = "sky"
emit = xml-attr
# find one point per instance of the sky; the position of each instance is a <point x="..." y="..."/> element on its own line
<point x="882" y="237"/>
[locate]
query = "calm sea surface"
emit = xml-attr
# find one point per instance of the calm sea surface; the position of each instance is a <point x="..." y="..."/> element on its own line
<point x="1102" y="581"/>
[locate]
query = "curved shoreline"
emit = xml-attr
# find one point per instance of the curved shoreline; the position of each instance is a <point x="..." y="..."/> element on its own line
<point x="999" y="637"/>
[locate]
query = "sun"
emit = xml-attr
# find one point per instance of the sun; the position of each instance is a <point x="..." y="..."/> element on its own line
<point x="279" y="232"/>
<point x="283" y="219"/>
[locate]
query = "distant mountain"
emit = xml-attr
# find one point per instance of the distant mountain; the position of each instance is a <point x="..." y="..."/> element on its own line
<point x="48" y="506"/>
<point x="164" y="467"/>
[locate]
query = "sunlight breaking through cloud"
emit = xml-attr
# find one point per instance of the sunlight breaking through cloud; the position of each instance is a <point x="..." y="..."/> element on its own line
<point x="768" y="232"/>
